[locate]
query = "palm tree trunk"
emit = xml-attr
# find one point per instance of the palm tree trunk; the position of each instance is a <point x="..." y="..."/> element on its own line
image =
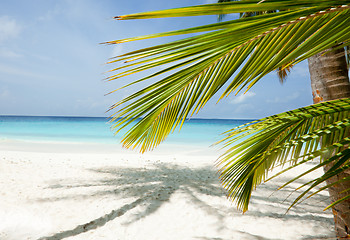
<point x="329" y="81"/>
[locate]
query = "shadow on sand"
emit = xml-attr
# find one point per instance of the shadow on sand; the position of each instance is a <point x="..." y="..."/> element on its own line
<point x="153" y="186"/>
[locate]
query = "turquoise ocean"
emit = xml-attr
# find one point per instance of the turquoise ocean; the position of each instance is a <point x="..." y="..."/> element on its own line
<point x="202" y="132"/>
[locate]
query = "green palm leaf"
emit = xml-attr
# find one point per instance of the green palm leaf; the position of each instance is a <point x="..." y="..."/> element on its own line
<point x="232" y="7"/>
<point x="245" y="49"/>
<point x="293" y="137"/>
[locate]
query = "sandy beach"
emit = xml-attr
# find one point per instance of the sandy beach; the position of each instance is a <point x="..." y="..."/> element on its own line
<point x="67" y="191"/>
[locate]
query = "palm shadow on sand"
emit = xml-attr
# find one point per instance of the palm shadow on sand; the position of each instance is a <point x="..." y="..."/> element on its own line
<point x="150" y="187"/>
<point x="153" y="186"/>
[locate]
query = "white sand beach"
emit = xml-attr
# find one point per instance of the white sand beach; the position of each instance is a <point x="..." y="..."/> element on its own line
<point x="67" y="191"/>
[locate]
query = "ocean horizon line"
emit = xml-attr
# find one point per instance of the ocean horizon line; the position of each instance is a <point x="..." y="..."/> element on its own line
<point x="99" y="129"/>
<point x="101" y="117"/>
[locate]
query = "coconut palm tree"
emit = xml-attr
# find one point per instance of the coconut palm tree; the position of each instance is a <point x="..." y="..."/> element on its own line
<point x="329" y="81"/>
<point x="236" y="54"/>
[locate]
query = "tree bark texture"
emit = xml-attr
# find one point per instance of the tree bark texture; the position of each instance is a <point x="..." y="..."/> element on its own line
<point x="329" y="81"/>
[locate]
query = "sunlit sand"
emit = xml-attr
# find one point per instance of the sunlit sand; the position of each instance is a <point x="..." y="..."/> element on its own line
<point x="65" y="191"/>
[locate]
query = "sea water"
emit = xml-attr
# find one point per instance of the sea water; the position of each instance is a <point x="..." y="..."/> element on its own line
<point x="98" y="130"/>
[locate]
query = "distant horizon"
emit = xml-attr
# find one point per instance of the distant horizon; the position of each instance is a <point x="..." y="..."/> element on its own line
<point x="76" y="116"/>
<point x="196" y="131"/>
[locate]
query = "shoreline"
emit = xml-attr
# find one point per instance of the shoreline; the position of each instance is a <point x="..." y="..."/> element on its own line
<point x="108" y="148"/>
<point x="66" y="193"/>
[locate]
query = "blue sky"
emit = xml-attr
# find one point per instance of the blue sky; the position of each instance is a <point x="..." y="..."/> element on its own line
<point x="51" y="62"/>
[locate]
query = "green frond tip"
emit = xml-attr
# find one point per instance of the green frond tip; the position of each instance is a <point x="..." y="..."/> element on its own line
<point x="291" y="138"/>
<point x="226" y="57"/>
<point x="232" y="7"/>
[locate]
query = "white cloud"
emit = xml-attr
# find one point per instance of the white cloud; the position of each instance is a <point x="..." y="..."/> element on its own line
<point x="24" y="74"/>
<point x="8" y="28"/>
<point x="242" y="97"/>
<point x="301" y="70"/>
<point x="244" y="108"/>
<point x="4" y="93"/>
<point x="42" y="57"/>
<point x="289" y="98"/>
<point x="6" y="53"/>
<point x="99" y="105"/>
<point x="51" y="14"/>
<point x="210" y="1"/>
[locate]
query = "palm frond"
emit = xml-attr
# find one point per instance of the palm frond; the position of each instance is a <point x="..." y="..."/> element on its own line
<point x="249" y="48"/>
<point x="232" y="7"/>
<point x="293" y="137"/>
<point x="282" y="73"/>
